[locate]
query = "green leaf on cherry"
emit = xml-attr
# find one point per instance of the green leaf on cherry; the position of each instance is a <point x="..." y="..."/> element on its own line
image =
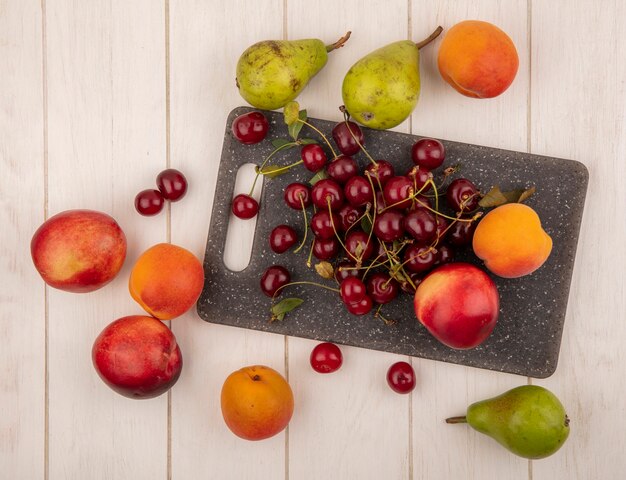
<point x="291" y="112"/>
<point x="325" y="270"/>
<point x="366" y="224"/>
<point x="321" y="175"/>
<point x="283" y="307"/>
<point x="307" y="141"/>
<point x="496" y="197"/>
<point x="281" y="142"/>
<point x="272" y="171"/>
<point x="295" y="127"/>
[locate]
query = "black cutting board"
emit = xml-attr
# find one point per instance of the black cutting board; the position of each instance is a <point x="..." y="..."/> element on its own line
<point x="527" y="337"/>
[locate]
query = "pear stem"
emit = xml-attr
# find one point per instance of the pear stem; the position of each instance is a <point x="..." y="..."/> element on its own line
<point x="339" y="43"/>
<point x="430" y="38"/>
<point x="461" y="419"/>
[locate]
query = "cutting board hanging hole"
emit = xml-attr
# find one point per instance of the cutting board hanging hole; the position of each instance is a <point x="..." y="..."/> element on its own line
<point x="240" y="234"/>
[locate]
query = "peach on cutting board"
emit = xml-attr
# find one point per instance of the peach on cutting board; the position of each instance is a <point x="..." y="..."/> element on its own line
<point x="257" y="402"/>
<point x="511" y="241"/>
<point x="477" y="59"/>
<point x="78" y="250"/>
<point x="166" y="280"/>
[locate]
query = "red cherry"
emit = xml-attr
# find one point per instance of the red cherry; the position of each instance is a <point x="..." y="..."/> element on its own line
<point x="325" y="249"/>
<point x="149" y="202"/>
<point x="397" y="192"/>
<point x="342" y="168"/>
<point x="244" y="206"/>
<point x="344" y="270"/>
<point x="282" y="238"/>
<point x="172" y="184"/>
<point x="419" y="258"/>
<point x="325" y="190"/>
<point x="358" y="191"/>
<point x="380" y="173"/>
<point x="389" y="225"/>
<point x="461" y="233"/>
<point x="348" y="215"/>
<point x="250" y="127"/>
<point x="382" y="288"/>
<point x="322" y="226"/>
<point x="359" y="245"/>
<point x="352" y="290"/>
<point x="428" y="153"/>
<point x="361" y="307"/>
<point x="421" y="225"/>
<point x="326" y="358"/>
<point x="297" y="193"/>
<point x="462" y="195"/>
<point x="274" y="278"/>
<point x="313" y="157"/>
<point x="345" y="140"/>
<point x="445" y="254"/>
<point x="401" y="377"/>
<point x="419" y="177"/>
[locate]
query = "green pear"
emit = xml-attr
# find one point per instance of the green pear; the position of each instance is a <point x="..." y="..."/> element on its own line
<point x="381" y="89"/>
<point x="272" y="73"/>
<point x="530" y="421"/>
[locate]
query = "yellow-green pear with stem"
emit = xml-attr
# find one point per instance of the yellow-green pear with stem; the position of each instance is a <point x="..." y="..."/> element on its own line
<point x="272" y="73"/>
<point x="381" y="89"/>
<point x="529" y="421"/>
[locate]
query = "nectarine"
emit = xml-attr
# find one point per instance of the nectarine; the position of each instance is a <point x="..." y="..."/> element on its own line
<point x="166" y="280"/>
<point x="137" y="356"/>
<point x="477" y="59"/>
<point x="78" y="250"/>
<point x="257" y="402"/>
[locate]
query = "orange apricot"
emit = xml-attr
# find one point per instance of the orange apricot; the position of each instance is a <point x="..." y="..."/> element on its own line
<point x="166" y="280"/>
<point x="511" y="242"/>
<point x="477" y="59"/>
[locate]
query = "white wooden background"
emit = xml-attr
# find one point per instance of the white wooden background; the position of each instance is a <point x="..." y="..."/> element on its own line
<point x="97" y="96"/>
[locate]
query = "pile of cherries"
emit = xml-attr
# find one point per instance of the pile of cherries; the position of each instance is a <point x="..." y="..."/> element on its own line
<point x="384" y="229"/>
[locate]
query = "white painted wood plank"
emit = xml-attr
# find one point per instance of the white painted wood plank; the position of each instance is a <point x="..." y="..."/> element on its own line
<point x="206" y="40"/>
<point x="351" y="425"/>
<point x="106" y="86"/>
<point x="439" y="450"/>
<point x="578" y="111"/>
<point x="22" y="320"/>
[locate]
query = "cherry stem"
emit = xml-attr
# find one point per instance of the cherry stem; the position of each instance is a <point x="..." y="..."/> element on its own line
<point x="304" y="122"/>
<point x="358" y="220"/>
<point x="281" y="169"/>
<point x="305" y="283"/>
<point x="369" y="237"/>
<point x="306" y="227"/>
<point x="339" y="43"/>
<point x="274" y="152"/>
<point x="332" y="224"/>
<point x="345" y="117"/>
<point x="377" y="314"/>
<point x="308" y="260"/>
<point x="373" y="264"/>
<point x="430" y="38"/>
<point x="400" y="267"/>
<point x="461" y="419"/>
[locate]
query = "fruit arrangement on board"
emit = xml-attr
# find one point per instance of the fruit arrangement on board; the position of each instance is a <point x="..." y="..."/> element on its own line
<point x="374" y="232"/>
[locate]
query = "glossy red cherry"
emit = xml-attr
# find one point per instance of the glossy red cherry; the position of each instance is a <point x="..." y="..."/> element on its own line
<point x="172" y="184"/>
<point x="297" y="193"/>
<point x="348" y="215"/>
<point x="397" y="192"/>
<point x="250" y="127"/>
<point x="428" y="153"/>
<point x="313" y="157"/>
<point x="420" y="177"/>
<point x="244" y="206"/>
<point x="361" y="307"/>
<point x="445" y="254"/>
<point x="401" y="377"/>
<point x="282" y="238"/>
<point x="345" y="269"/>
<point x="358" y="191"/>
<point x="358" y="246"/>
<point x="462" y="195"/>
<point x="421" y="225"/>
<point x="380" y="173"/>
<point x="382" y="288"/>
<point x="461" y="233"/>
<point x="416" y="278"/>
<point x="326" y="358"/>
<point x="322" y="226"/>
<point x="352" y="290"/>
<point x="421" y="201"/>
<point x="419" y="258"/>
<point x="345" y="140"/>
<point x="380" y="201"/>
<point x="274" y="278"/>
<point x="325" y="249"/>
<point x="342" y="168"/>
<point x="327" y="190"/>
<point x="149" y="202"/>
<point x="389" y="225"/>
<point x="442" y="227"/>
